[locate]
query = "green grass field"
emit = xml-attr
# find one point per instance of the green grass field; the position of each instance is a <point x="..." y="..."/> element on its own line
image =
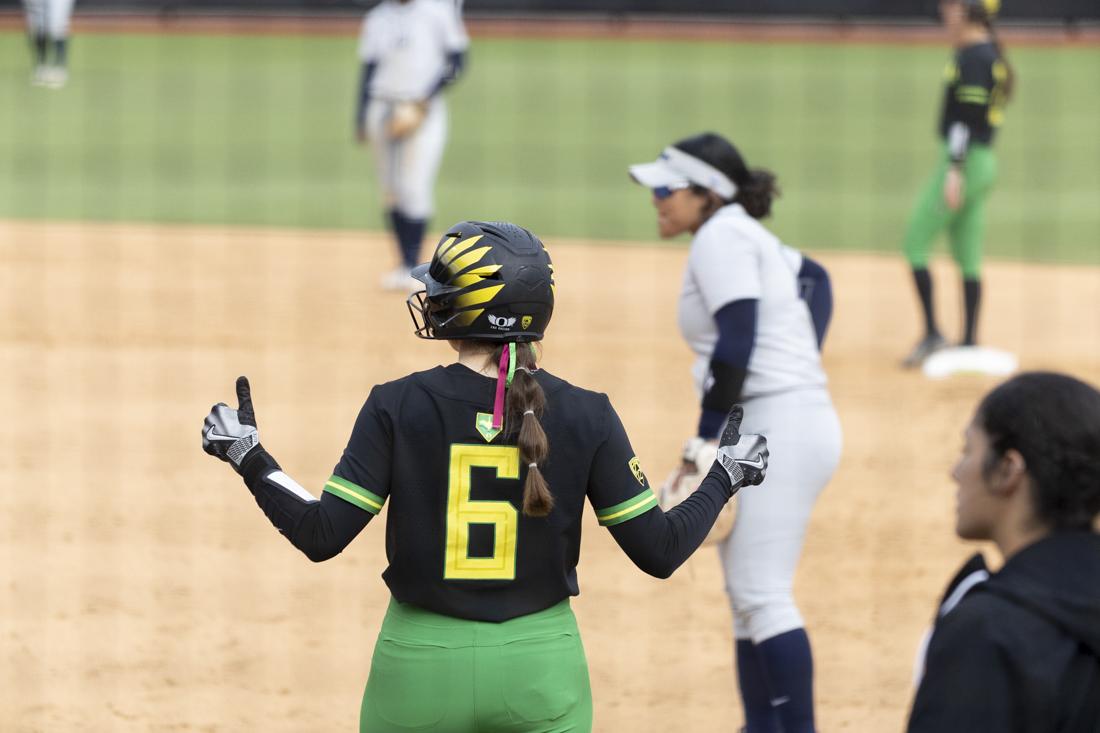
<point x="257" y="130"/>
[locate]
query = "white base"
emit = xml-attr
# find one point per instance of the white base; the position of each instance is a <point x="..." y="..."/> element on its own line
<point x="980" y="360"/>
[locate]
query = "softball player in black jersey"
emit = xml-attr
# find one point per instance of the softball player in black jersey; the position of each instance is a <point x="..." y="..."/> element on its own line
<point x="979" y="81"/>
<point x="486" y="464"/>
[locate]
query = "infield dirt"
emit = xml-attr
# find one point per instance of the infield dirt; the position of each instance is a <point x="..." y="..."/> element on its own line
<point x="146" y="592"/>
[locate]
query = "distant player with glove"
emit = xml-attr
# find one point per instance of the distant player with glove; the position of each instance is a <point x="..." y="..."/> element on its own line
<point x="487" y="464"/>
<point x="755" y="313"/>
<point x="410" y="51"/>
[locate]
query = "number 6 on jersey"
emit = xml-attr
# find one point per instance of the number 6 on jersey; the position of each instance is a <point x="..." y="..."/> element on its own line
<point x="462" y="511"/>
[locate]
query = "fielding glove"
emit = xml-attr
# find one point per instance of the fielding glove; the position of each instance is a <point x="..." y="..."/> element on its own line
<point x="231" y="434"/>
<point x="743" y="457"/>
<point x="405" y="118"/>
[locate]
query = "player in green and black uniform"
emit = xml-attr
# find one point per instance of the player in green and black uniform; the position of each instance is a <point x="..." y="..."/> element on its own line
<point x="486" y="464"/>
<point x="979" y="83"/>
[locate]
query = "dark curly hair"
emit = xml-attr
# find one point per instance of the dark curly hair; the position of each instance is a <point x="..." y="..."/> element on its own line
<point x="1053" y="421"/>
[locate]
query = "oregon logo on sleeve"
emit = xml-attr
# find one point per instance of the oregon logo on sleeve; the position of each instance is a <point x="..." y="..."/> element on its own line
<point x="636" y="469"/>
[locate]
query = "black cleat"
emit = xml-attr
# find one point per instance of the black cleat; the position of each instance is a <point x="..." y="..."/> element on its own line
<point x="925" y="348"/>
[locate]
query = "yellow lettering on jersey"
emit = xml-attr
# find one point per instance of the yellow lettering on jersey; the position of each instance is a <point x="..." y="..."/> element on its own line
<point x="462" y="511"/>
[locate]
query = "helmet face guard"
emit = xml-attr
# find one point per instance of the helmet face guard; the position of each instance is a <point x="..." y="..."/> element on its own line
<point x="487" y="280"/>
<point x="418" y="309"/>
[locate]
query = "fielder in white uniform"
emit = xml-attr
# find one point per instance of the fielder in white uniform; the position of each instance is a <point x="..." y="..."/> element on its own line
<point x="410" y="51"/>
<point x="755" y="313"/>
<point x="48" y="28"/>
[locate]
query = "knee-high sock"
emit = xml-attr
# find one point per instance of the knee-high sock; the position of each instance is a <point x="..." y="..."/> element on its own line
<point x="409" y="235"/>
<point x="789" y="668"/>
<point x="972" y="298"/>
<point x="397" y="220"/>
<point x="39" y="44"/>
<point x="60" y="51"/>
<point x="923" y="280"/>
<point x="760" y="716"/>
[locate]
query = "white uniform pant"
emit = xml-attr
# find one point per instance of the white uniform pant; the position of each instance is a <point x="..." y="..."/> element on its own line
<point x="49" y="17"/>
<point x="407" y="167"/>
<point x="761" y="554"/>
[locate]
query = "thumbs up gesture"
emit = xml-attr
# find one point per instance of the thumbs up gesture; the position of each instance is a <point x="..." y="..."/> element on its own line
<point x="231" y="434"/>
<point x="744" y="456"/>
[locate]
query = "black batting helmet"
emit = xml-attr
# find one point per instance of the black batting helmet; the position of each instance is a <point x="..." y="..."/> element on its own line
<point x="982" y="9"/>
<point x="488" y="280"/>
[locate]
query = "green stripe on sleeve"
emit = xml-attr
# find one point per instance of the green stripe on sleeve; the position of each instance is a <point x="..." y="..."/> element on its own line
<point x="354" y="494"/>
<point x="628" y="509"/>
<point x="973" y="94"/>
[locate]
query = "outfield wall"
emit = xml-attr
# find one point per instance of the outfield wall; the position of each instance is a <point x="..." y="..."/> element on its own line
<point x="900" y="10"/>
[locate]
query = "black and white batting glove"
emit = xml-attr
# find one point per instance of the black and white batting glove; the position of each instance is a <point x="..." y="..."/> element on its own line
<point x="231" y="434"/>
<point x="743" y="457"/>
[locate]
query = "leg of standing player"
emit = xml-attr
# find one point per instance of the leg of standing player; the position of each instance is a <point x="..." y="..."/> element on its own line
<point x="386" y="162"/>
<point x="419" y="159"/>
<point x="930" y="217"/>
<point x="58" y="14"/>
<point x="968" y="230"/>
<point x="774" y="661"/>
<point x="39" y="40"/>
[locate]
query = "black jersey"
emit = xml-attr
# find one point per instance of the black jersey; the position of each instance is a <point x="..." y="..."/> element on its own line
<point x="455" y="540"/>
<point x="975" y="92"/>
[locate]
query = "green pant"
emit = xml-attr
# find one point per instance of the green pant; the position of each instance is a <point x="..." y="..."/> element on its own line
<point x="965" y="225"/>
<point x="438" y="673"/>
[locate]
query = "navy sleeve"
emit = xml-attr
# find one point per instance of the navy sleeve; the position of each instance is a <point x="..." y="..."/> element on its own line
<point x="456" y="62"/>
<point x="362" y="98"/>
<point x="814" y="288"/>
<point x="729" y="364"/>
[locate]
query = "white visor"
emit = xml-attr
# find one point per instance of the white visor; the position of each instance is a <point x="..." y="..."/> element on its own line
<point x="675" y="168"/>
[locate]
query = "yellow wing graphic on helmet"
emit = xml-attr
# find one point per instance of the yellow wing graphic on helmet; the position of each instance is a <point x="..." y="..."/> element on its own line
<point x="455" y="248"/>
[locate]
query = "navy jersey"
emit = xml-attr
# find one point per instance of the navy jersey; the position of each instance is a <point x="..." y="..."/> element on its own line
<point x="975" y="92"/>
<point x="456" y="541"/>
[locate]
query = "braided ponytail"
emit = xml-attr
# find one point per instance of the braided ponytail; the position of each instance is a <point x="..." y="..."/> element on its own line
<point x="524" y="404"/>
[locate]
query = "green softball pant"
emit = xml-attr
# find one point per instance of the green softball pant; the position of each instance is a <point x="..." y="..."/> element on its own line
<point x="438" y="673"/>
<point x="966" y="225"/>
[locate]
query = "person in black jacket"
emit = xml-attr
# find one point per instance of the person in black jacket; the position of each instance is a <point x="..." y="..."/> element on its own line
<point x="1019" y="649"/>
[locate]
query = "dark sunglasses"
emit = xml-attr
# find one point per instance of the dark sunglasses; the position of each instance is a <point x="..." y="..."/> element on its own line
<point x="663" y="192"/>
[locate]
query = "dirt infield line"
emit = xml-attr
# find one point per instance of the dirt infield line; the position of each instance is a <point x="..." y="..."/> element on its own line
<point x="567" y="27"/>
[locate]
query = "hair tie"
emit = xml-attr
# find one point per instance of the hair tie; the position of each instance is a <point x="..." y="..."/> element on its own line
<point x="528" y="412"/>
<point x="532" y="465"/>
<point x="525" y="369"/>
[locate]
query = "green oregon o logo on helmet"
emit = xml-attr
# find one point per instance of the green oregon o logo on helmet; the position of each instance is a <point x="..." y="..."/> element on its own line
<point x="487" y="280"/>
